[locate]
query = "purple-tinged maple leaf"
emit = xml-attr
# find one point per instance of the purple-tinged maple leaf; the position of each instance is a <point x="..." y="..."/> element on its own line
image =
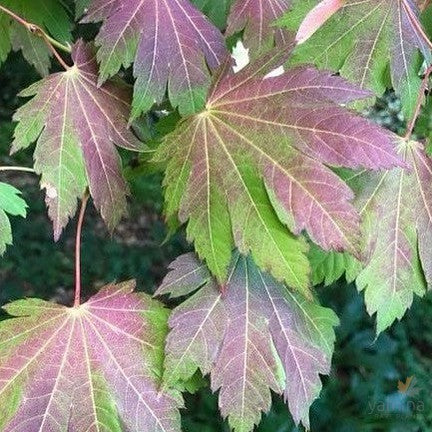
<point x="77" y="125"/>
<point x="396" y="208"/>
<point x="396" y="211"/>
<point x="255" y="161"/>
<point x="170" y="42"/>
<point x="364" y="40"/>
<point x="256" y="17"/>
<point x="93" y="368"/>
<point x="257" y="337"/>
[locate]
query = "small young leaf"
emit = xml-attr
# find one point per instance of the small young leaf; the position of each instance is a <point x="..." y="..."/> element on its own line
<point x="48" y="14"/>
<point x="76" y="124"/>
<point x="255" y="161"/>
<point x="257" y="337"/>
<point x="362" y="40"/>
<point x="170" y="42"/>
<point x="92" y="368"/>
<point x="256" y="18"/>
<point x="10" y="203"/>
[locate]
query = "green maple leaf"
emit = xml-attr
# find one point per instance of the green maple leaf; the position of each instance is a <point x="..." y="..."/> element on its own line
<point x="396" y="211"/>
<point x="216" y="11"/>
<point x="10" y="203"/>
<point x="329" y="267"/>
<point x="50" y="15"/>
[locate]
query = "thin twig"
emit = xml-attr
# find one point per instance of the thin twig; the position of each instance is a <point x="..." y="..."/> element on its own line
<point x="38" y="31"/>
<point x="17" y="169"/>
<point x="420" y="98"/>
<point x="84" y="202"/>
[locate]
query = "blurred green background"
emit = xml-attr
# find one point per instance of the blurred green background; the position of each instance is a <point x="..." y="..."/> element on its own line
<point x="361" y="394"/>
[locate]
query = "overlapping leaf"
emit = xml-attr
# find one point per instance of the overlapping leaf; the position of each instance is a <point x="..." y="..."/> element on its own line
<point x="398" y="234"/>
<point x="256" y="18"/>
<point x="49" y="14"/>
<point x="396" y="211"/>
<point x="257" y="337"/>
<point x="363" y="39"/>
<point x="76" y="124"/>
<point x="253" y="163"/>
<point x="329" y="267"/>
<point x="92" y="368"/>
<point x="10" y="203"/>
<point x="170" y="42"/>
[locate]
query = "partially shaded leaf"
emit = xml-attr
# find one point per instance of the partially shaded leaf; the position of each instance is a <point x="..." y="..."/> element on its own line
<point x="329" y="267"/>
<point x="398" y="236"/>
<point x="76" y="125"/>
<point x="363" y="40"/>
<point x="51" y="15"/>
<point x="10" y="203"/>
<point x="95" y="368"/>
<point x="170" y="42"/>
<point x="257" y="337"/>
<point x="253" y="163"/>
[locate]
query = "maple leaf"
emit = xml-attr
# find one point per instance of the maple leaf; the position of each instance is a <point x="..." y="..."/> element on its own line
<point x="363" y="40"/>
<point x="10" y="203"/>
<point x="95" y="367"/>
<point x="76" y="124"/>
<point x="329" y="267"/>
<point x="257" y="337"/>
<point x="50" y="15"/>
<point x="170" y="42"/>
<point x="256" y="17"/>
<point x="253" y="163"/>
<point x="396" y="207"/>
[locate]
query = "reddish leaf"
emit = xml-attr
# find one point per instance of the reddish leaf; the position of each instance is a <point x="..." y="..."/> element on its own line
<point x="170" y="42"/>
<point x="258" y="337"/>
<point x="261" y="146"/>
<point x="76" y="125"/>
<point x="92" y="368"/>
